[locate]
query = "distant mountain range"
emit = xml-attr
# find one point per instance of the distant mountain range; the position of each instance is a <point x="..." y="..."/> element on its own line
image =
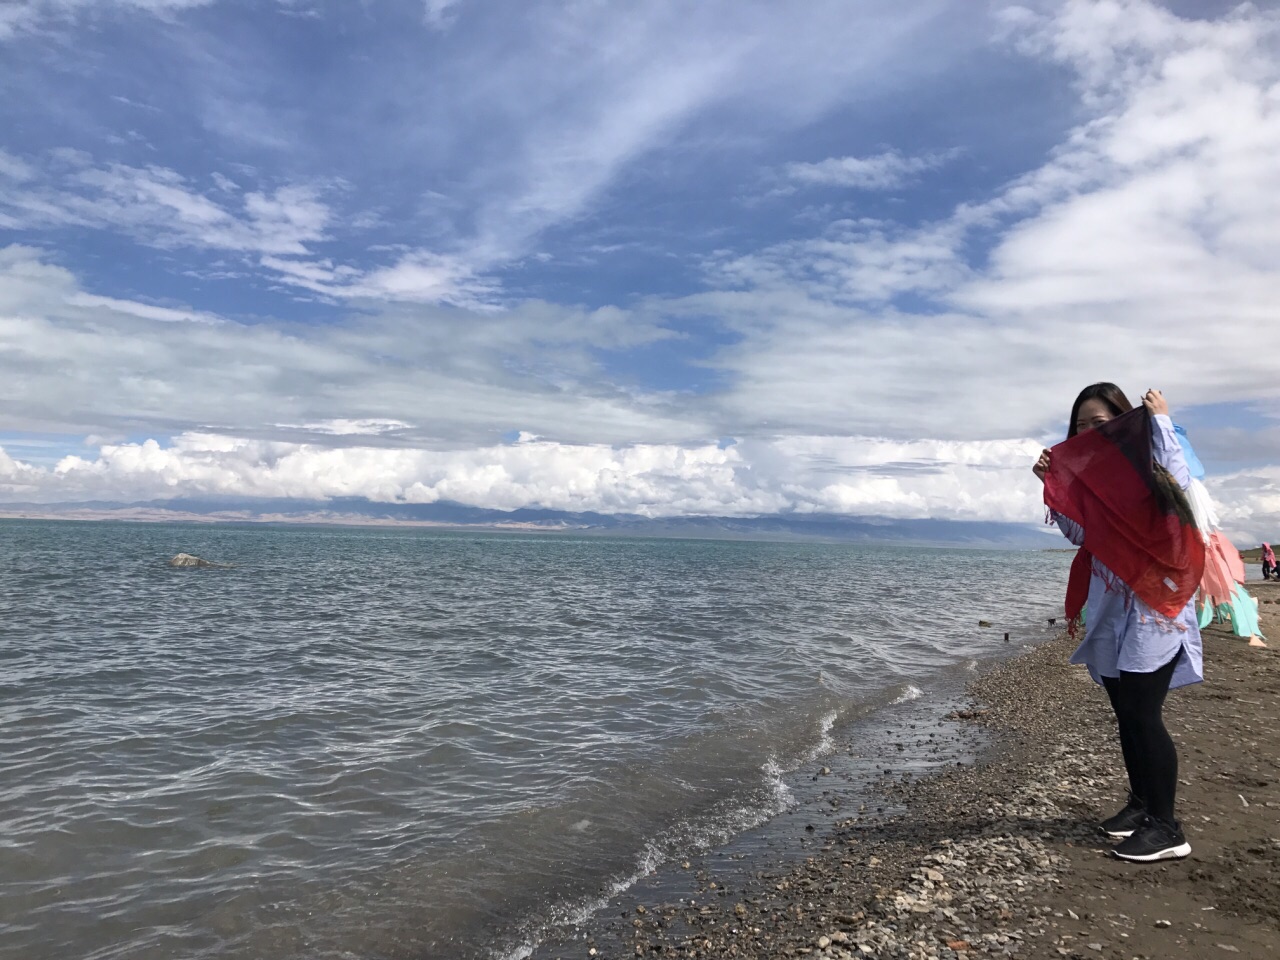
<point x="359" y="511"/>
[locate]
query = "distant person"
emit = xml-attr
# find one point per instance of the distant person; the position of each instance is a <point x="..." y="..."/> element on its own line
<point x="1141" y="632"/>
<point x="1269" y="563"/>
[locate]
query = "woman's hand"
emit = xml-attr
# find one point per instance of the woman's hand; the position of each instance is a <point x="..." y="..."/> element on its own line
<point x="1155" y="403"/>
<point x="1042" y="465"/>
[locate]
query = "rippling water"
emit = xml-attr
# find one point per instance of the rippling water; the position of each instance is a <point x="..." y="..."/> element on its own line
<point x="397" y="743"/>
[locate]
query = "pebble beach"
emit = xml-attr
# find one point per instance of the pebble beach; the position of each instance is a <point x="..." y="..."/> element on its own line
<point x="999" y="855"/>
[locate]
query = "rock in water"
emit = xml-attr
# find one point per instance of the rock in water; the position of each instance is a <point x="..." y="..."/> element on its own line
<point x="187" y="560"/>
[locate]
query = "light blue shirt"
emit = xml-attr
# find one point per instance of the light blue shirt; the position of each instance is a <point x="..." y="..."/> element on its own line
<point x="1122" y="633"/>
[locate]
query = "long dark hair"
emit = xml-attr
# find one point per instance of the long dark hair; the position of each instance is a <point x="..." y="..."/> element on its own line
<point x="1166" y="487"/>
<point x="1108" y="393"/>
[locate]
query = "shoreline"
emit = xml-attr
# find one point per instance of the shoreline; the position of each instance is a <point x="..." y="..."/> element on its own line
<point x="1000" y="857"/>
<point x="902" y="738"/>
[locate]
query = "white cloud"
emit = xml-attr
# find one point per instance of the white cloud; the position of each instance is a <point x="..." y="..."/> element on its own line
<point x="550" y="123"/>
<point x="1138" y="252"/>
<point x="353" y="428"/>
<point x="18" y="16"/>
<point x="842" y="476"/>
<point x="428" y="278"/>
<point x="1249" y="505"/>
<point x="881" y="171"/>
<point x="591" y="91"/>
<point x="159" y="207"/>
<point x="14" y="168"/>
<point x="20" y="481"/>
<point x="416" y="277"/>
<point x="15" y="18"/>
<point x="863" y="262"/>
<point x="143" y="310"/>
<point x="71" y="361"/>
<point x="847" y="476"/>
<point x="438" y="12"/>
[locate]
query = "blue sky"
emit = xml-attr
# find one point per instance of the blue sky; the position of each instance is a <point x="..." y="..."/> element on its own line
<point x="665" y="258"/>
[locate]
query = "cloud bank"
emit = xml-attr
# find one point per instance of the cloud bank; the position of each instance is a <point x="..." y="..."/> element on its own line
<point x="961" y="481"/>
<point x="848" y="476"/>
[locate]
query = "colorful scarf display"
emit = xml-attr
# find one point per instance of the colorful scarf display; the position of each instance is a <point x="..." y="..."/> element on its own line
<point x="1223" y="568"/>
<point x="1135" y="521"/>
<point x="1222" y="589"/>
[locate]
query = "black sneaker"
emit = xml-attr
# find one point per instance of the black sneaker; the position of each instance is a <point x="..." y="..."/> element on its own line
<point x="1154" y="840"/>
<point x="1126" y="821"/>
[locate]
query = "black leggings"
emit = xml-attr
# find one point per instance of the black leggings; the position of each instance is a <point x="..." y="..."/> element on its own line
<point x="1150" y="757"/>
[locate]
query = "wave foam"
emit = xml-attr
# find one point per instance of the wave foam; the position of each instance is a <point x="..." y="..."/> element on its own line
<point x="911" y="693"/>
<point x="682" y="837"/>
<point x="824" y="745"/>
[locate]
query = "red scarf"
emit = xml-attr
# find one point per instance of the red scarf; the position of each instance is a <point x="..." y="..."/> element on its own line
<point x="1103" y="479"/>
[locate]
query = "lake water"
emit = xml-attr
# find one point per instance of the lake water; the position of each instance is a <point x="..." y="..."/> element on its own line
<point x="390" y="743"/>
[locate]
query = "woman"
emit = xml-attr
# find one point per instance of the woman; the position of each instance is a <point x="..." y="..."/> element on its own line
<point x="1269" y="562"/>
<point x="1136" y="652"/>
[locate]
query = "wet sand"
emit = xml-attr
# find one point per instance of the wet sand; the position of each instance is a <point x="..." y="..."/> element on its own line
<point x="1002" y="856"/>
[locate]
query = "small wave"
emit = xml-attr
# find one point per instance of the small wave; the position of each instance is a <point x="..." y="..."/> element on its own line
<point x="684" y="837"/>
<point x="575" y="913"/>
<point x="519" y="952"/>
<point x="783" y="798"/>
<point x="911" y="693"/>
<point x="564" y="915"/>
<point x="824" y="744"/>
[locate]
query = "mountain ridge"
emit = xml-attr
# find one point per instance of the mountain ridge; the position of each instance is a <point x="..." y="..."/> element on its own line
<point x="357" y="511"/>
